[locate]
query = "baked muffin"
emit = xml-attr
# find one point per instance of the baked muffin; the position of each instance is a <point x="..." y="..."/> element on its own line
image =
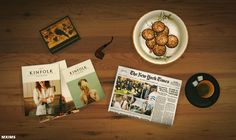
<point x="161" y="39"/>
<point x="148" y="34"/>
<point x="159" y="50"/>
<point x="158" y="26"/>
<point x="151" y="43"/>
<point x="172" y="41"/>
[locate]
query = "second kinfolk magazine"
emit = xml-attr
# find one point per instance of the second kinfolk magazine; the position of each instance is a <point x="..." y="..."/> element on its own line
<point x="83" y="84"/>
<point x="145" y="95"/>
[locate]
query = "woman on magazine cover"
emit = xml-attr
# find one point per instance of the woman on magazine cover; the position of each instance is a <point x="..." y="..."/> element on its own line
<point x="43" y="96"/>
<point x="87" y="95"/>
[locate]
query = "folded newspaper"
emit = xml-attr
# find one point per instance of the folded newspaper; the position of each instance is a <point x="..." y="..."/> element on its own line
<point x="145" y="95"/>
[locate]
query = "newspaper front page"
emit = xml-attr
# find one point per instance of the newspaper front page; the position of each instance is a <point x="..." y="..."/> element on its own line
<point x="145" y="95"/>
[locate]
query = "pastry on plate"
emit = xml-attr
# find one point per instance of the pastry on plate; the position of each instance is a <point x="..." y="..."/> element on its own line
<point x="159" y="50"/>
<point x="158" y="26"/>
<point x="148" y="34"/>
<point x="172" y="41"/>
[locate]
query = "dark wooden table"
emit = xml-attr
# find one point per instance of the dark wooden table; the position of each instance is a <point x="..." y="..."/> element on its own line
<point x="211" y="49"/>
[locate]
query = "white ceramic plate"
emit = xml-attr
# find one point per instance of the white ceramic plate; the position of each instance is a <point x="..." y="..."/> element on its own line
<point x="176" y="27"/>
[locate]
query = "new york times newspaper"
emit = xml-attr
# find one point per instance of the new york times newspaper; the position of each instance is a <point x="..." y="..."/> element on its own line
<point x="145" y="95"/>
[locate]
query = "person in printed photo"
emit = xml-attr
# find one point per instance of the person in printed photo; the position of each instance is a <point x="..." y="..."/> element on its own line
<point x="118" y="84"/>
<point x="147" y="108"/>
<point x="125" y="103"/>
<point x="143" y="107"/>
<point x="129" y="85"/>
<point x="146" y="91"/>
<point x="43" y="96"/>
<point x="138" y="92"/>
<point x="153" y="93"/>
<point x="87" y="95"/>
<point x="151" y="100"/>
<point x="116" y="102"/>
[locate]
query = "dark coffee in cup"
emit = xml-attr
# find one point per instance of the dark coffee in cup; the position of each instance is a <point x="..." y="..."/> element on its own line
<point x="205" y="89"/>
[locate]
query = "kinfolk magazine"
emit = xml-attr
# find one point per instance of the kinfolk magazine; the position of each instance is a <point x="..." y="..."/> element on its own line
<point x="42" y="91"/>
<point x="45" y="92"/>
<point x="83" y="84"/>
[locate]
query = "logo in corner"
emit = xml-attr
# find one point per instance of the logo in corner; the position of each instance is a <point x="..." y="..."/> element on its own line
<point x="8" y="137"/>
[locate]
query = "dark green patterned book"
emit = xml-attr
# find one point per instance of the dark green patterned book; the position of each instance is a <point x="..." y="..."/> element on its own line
<point x="59" y="34"/>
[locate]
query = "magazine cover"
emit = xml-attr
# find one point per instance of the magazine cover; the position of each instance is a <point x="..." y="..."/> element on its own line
<point x="145" y="95"/>
<point x="42" y="90"/>
<point x="59" y="34"/>
<point x="83" y="84"/>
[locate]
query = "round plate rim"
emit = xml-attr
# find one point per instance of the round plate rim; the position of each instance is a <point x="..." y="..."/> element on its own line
<point x="148" y="58"/>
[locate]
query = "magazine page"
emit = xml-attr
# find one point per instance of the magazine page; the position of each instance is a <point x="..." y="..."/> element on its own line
<point x="67" y="106"/>
<point x="65" y="91"/>
<point x="137" y="93"/>
<point x="83" y="84"/>
<point x="41" y="90"/>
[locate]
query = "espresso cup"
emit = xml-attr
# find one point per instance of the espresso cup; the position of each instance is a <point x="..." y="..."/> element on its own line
<point x="205" y="89"/>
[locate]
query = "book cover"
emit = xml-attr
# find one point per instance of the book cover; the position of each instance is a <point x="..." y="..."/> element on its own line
<point x="59" y="34"/>
<point x="41" y="90"/>
<point x="83" y="84"/>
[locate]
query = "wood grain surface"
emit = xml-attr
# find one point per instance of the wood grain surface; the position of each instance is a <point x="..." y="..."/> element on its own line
<point x="211" y="49"/>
